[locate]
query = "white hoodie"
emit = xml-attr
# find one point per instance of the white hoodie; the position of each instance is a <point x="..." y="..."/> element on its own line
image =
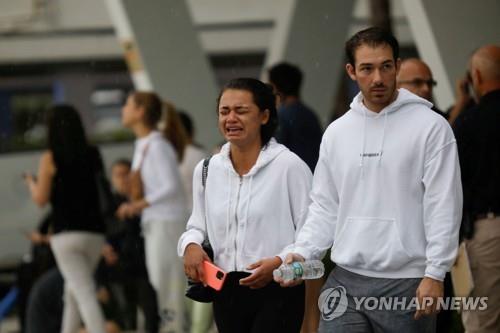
<point x="386" y="192"/>
<point x="250" y="217"/>
<point x="161" y="179"/>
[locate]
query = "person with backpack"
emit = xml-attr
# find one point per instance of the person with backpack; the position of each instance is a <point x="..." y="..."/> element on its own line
<point x="253" y="203"/>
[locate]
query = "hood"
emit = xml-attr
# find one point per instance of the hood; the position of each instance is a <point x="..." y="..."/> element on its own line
<point x="404" y="99"/>
<point x="268" y="153"/>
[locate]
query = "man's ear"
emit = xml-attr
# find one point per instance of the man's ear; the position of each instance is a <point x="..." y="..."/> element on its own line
<point x="350" y="71"/>
<point x="398" y="66"/>
<point x="477" y="76"/>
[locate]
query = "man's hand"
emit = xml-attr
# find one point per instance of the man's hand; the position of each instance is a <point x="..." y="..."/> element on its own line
<point x="194" y="255"/>
<point x="463" y="98"/>
<point x="36" y="238"/>
<point x="427" y="294"/>
<point x="291" y="257"/>
<point x="109" y="254"/>
<point x="263" y="273"/>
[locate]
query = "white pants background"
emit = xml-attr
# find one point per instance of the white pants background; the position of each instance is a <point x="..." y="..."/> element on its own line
<point x="77" y="254"/>
<point x="166" y="270"/>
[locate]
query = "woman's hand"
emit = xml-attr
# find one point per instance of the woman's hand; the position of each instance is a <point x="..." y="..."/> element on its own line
<point x="463" y="98"/>
<point x="263" y="273"/>
<point x="194" y="255"/>
<point x="41" y="186"/>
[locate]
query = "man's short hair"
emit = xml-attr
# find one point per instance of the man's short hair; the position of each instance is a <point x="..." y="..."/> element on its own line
<point x="372" y="37"/>
<point x="287" y="78"/>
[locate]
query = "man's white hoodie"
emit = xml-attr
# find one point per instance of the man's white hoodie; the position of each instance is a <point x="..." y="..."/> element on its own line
<point x="386" y="192"/>
<point x="251" y="217"/>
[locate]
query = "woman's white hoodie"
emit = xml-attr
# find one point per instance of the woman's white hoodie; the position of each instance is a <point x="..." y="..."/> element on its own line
<point x="251" y="217"/>
<point x="161" y="179"/>
<point x="386" y="192"/>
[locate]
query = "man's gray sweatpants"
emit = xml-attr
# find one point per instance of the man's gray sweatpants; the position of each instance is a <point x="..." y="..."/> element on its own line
<point x="374" y="313"/>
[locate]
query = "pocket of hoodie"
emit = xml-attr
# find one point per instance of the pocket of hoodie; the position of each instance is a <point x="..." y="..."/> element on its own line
<point x="370" y="243"/>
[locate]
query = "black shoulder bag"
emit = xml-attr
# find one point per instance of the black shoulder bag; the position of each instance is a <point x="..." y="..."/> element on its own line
<point x="196" y="290"/>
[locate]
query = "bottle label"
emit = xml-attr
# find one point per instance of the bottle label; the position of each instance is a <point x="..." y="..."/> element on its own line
<point x="297" y="270"/>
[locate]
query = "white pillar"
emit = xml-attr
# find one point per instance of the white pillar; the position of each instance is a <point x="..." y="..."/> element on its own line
<point x="163" y="52"/>
<point x="311" y="34"/>
<point x="446" y="32"/>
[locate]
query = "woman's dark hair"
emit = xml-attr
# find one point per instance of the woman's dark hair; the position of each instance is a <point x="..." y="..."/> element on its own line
<point x="187" y="122"/>
<point x="263" y="97"/>
<point x="372" y="37"/>
<point x="152" y="105"/>
<point x="65" y="134"/>
<point x="174" y="131"/>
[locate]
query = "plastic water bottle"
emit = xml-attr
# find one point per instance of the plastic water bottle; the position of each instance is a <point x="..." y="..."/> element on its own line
<point x="305" y="270"/>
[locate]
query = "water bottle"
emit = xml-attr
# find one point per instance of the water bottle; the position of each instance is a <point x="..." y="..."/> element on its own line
<point x="305" y="270"/>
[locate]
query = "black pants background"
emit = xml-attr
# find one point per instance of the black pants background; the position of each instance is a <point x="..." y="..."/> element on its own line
<point x="45" y="304"/>
<point x="269" y="309"/>
<point x="131" y="294"/>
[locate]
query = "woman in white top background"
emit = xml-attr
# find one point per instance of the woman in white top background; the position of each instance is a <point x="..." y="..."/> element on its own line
<point x="162" y="205"/>
<point x="254" y="202"/>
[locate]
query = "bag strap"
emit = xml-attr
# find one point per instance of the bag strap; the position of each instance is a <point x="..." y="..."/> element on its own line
<point x="204" y="172"/>
<point x="204" y="175"/>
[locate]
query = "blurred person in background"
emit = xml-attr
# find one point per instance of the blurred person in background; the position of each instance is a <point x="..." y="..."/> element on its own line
<point x="478" y="139"/>
<point x="158" y="196"/>
<point x="416" y="77"/>
<point x="67" y="179"/>
<point x="125" y="256"/>
<point x="299" y="127"/>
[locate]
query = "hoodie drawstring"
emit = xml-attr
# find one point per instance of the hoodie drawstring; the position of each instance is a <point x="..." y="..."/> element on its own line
<point x="228" y="215"/>
<point x="383" y="139"/>
<point x="248" y="198"/>
<point x="362" y="157"/>
<point x="382" y="142"/>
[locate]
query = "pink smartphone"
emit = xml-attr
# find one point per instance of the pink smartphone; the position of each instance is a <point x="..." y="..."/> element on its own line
<point x="214" y="276"/>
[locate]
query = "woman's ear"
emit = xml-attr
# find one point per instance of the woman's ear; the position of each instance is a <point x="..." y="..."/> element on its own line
<point x="140" y="112"/>
<point x="265" y="116"/>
